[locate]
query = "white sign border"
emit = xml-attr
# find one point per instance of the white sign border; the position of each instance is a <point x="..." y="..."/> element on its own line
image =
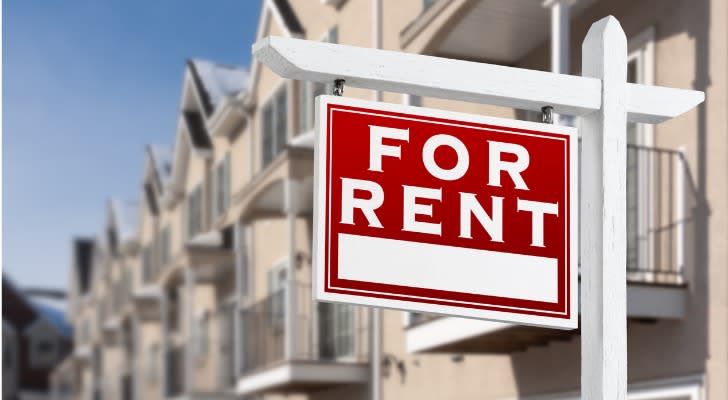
<point x="319" y="212"/>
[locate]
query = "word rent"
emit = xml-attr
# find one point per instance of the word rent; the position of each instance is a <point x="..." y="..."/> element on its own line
<point x="504" y="160"/>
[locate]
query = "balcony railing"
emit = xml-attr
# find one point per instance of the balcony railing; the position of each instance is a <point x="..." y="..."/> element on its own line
<point x="333" y="332"/>
<point x="264" y="335"/>
<point x="660" y="200"/>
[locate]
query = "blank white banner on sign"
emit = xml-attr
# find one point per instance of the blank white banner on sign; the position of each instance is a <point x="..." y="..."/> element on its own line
<point x="432" y="266"/>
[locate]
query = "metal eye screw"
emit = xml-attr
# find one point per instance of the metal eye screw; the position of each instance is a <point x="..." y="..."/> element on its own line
<point x="338" y="87"/>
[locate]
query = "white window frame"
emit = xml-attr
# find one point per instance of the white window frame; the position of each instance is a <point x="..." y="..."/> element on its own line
<point x="339" y="357"/>
<point x="195" y="205"/>
<point x="279" y="273"/>
<point x="272" y="102"/>
<point x="220" y="186"/>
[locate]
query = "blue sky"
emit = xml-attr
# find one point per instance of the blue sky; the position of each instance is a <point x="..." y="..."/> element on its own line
<point x="86" y="85"/>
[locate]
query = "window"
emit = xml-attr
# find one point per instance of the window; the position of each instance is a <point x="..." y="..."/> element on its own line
<point x="220" y="191"/>
<point x="153" y="362"/>
<point x="275" y="125"/>
<point x="128" y="282"/>
<point x="44" y="346"/>
<point x="116" y="295"/>
<point x="147" y="267"/>
<point x="223" y="186"/>
<point x="336" y="330"/>
<point x="43" y="351"/>
<point x="164" y="246"/>
<point x="211" y="190"/>
<point x="310" y="90"/>
<point x="9" y="344"/>
<point x="639" y="163"/>
<point x="194" y="212"/>
<point x="203" y="334"/>
<point x="276" y="294"/>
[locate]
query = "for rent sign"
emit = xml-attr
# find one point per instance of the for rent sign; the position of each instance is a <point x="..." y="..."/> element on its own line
<point x="435" y="211"/>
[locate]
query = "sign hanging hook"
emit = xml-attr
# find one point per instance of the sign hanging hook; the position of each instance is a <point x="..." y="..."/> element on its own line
<point x="547" y="114"/>
<point x="338" y="87"/>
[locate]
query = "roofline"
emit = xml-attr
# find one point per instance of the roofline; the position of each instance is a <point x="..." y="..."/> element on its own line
<point x="199" y="88"/>
<point x="38" y="315"/>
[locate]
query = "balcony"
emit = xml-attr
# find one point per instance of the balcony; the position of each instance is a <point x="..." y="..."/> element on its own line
<point x="659" y="199"/>
<point x="465" y="29"/>
<point x="328" y="347"/>
<point x="285" y="184"/>
<point x="147" y="303"/>
<point x="211" y="255"/>
<point x="111" y="331"/>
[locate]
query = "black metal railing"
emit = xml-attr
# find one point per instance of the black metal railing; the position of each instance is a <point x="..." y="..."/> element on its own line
<point x="324" y="332"/>
<point x="264" y="335"/>
<point x="660" y="199"/>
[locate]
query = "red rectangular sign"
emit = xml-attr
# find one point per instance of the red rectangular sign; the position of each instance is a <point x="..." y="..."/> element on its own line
<point x="435" y="211"/>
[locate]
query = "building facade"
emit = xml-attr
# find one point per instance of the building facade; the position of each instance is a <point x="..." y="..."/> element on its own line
<point x="201" y="287"/>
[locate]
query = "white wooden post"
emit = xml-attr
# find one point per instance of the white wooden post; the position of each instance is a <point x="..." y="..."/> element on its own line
<point x="603" y="218"/>
<point x="291" y="300"/>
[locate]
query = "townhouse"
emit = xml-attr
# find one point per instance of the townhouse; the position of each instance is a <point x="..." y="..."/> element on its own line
<point x="212" y="263"/>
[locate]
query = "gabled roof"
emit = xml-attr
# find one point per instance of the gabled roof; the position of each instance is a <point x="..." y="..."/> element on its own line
<point x="215" y="82"/>
<point x="125" y="214"/>
<point x="285" y="15"/>
<point x="161" y="157"/>
<point x="83" y="249"/>
<point x="157" y="175"/>
<point x="288" y="17"/>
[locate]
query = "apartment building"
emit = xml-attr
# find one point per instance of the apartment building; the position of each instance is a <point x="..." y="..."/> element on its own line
<point x="201" y="289"/>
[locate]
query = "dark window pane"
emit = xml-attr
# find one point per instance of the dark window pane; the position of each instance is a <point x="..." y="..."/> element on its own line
<point x="281" y="108"/>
